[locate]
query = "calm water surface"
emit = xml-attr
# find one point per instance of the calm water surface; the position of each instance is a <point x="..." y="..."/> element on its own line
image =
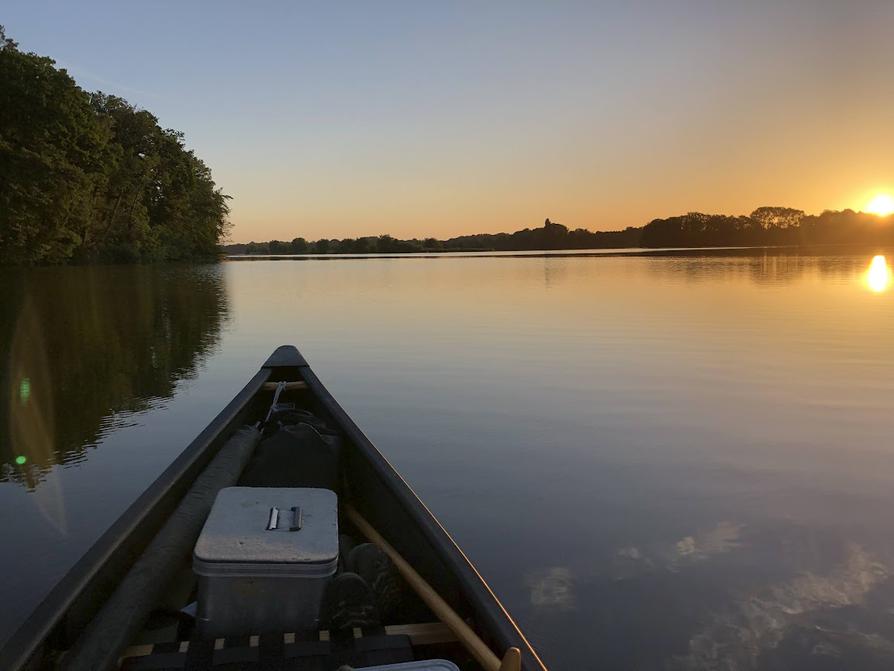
<point x="660" y="462"/>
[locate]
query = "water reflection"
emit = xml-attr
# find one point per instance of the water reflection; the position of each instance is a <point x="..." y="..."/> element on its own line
<point x="878" y="275"/>
<point x="79" y="353"/>
<point x="690" y="450"/>
<point x="764" y="628"/>
<point x="772" y="267"/>
<point x="768" y="266"/>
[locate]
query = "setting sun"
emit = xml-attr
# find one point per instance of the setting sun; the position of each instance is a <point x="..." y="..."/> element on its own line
<point x="881" y="204"/>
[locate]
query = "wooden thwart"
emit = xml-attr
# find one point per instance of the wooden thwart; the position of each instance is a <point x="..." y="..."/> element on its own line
<point x="511" y="660"/>
<point x="426" y="633"/>
<point x="289" y="386"/>
<point x="466" y="635"/>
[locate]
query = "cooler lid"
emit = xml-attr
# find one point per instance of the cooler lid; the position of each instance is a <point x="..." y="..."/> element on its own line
<point x="270" y="525"/>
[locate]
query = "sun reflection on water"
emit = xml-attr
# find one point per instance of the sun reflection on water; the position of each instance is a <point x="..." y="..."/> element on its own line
<point x="878" y="276"/>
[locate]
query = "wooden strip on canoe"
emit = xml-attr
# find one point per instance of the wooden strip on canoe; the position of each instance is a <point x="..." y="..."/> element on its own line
<point x="290" y="386"/>
<point x="426" y="633"/>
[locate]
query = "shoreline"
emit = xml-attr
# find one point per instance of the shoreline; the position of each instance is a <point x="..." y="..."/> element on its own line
<point x="813" y="250"/>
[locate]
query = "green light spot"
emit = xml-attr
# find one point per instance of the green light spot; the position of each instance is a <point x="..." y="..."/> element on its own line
<point x="25" y="389"/>
<point x="21" y="459"/>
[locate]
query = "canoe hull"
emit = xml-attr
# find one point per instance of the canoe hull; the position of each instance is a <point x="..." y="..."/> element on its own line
<point x="376" y="488"/>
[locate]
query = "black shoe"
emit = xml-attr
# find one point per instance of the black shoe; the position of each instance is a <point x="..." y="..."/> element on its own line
<point x="380" y="573"/>
<point x="346" y="543"/>
<point x="348" y="602"/>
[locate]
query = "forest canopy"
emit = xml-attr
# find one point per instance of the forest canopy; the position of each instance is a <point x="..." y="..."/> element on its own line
<point x="90" y="177"/>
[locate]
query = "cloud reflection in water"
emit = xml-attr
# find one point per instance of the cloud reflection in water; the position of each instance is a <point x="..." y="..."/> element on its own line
<point x="737" y="637"/>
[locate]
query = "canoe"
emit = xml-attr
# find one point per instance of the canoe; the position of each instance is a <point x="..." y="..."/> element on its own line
<point x="110" y="609"/>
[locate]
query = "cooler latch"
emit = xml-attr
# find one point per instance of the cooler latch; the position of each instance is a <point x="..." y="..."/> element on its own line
<point x="297" y="519"/>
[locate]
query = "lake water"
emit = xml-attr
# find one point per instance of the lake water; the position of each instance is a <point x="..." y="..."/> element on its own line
<point x="677" y="461"/>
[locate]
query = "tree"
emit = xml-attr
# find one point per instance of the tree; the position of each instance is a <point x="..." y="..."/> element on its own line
<point x="51" y="148"/>
<point x="777" y="217"/>
<point x="89" y="176"/>
<point x="6" y="42"/>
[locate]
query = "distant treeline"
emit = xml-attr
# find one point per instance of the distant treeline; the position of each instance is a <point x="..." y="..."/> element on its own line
<point x="766" y="226"/>
<point x="550" y="236"/>
<point x="87" y="176"/>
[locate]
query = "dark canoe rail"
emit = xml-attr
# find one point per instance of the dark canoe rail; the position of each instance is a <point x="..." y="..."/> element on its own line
<point x="460" y="575"/>
<point x="71" y="604"/>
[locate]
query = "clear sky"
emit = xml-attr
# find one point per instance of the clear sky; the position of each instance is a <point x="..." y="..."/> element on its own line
<point x="423" y="118"/>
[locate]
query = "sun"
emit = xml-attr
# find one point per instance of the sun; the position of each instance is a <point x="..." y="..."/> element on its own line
<point x="881" y="204"/>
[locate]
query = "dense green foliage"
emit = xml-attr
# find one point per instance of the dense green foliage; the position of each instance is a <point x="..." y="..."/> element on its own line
<point x="87" y="176"/>
<point x="766" y="226"/>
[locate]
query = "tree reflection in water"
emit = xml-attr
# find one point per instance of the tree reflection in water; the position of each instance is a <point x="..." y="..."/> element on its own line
<point x="85" y="345"/>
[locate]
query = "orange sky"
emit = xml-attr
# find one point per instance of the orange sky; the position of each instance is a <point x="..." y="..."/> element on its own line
<point x="417" y="119"/>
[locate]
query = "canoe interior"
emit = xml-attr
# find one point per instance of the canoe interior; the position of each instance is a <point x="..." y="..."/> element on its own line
<point x="370" y="484"/>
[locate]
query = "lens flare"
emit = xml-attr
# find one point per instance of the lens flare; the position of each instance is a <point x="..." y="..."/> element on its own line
<point x="878" y="276"/>
<point x="25" y="389"/>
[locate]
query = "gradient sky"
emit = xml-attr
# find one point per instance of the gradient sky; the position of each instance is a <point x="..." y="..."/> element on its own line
<point x="423" y="118"/>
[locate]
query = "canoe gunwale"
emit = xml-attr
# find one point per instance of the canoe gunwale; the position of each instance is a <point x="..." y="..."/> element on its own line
<point x="475" y="590"/>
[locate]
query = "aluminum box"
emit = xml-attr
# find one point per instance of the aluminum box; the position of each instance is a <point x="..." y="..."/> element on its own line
<point x="263" y="560"/>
